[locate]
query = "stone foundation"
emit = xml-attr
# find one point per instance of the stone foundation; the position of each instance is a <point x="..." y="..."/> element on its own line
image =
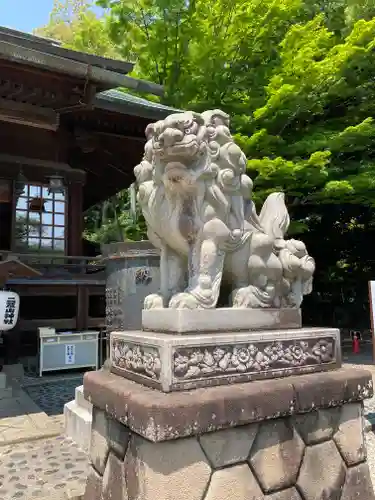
<point x="299" y="438"/>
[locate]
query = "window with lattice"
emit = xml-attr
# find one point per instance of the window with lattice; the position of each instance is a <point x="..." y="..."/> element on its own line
<point x="40" y="220"/>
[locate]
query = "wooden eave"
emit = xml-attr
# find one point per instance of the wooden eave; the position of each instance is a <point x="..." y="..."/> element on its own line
<point x="99" y="131"/>
<point x="39" y="72"/>
<point x="12" y="165"/>
<point x="110" y="139"/>
<point x="101" y="77"/>
<point x="53" y="47"/>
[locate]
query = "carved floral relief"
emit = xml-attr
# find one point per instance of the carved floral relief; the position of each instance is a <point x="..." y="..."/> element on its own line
<point x="198" y="362"/>
<point x="143" y="360"/>
<point x="207" y="361"/>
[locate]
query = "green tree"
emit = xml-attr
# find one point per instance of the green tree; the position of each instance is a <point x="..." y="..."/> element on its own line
<point x="112" y="221"/>
<point x="25" y="228"/>
<point x="359" y="9"/>
<point x="300" y="95"/>
<point x="297" y="77"/>
<point x="204" y="53"/>
<point x="79" y="27"/>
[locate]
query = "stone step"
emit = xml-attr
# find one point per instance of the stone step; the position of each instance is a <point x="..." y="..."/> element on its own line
<point x="6" y="393"/>
<point x="78" y="424"/>
<point x="14" y="373"/>
<point x="3" y="380"/>
<point x="5" y="390"/>
<point x="80" y="399"/>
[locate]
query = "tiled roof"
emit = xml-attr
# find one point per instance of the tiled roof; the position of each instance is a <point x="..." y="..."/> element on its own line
<point x="130" y="104"/>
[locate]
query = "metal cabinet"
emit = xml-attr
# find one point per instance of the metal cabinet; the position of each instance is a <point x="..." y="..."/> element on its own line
<point x="67" y="350"/>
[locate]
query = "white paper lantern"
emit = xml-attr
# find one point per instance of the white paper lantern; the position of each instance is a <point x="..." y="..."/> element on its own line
<point x="9" y="309"/>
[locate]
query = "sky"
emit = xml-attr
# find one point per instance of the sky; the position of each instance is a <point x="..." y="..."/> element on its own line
<point x="25" y="15"/>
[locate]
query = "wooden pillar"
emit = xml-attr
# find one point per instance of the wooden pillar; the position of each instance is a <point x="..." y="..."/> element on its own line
<point x="75" y="218"/>
<point x="82" y="307"/>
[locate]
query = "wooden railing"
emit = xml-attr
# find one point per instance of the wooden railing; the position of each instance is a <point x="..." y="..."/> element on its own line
<point x="51" y="263"/>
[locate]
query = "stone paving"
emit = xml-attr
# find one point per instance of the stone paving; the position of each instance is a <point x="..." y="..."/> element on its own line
<point x="370" y="444"/>
<point x="364" y="361"/>
<point x="36" y="461"/>
<point x="52" y="396"/>
<point x="21" y="419"/>
<point x="46" y="469"/>
<point x="21" y="416"/>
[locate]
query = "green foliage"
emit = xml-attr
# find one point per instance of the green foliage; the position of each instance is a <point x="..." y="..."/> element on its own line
<point x="205" y="53"/>
<point x="74" y="23"/>
<point x="112" y="221"/>
<point x="24" y="228"/>
<point x="359" y="9"/>
<point x="297" y="77"/>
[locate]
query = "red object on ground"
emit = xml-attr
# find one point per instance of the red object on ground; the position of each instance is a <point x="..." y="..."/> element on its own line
<point x="355" y="345"/>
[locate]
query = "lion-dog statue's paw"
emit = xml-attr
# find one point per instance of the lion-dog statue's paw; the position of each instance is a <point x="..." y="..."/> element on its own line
<point x="153" y="301"/>
<point x="184" y="301"/>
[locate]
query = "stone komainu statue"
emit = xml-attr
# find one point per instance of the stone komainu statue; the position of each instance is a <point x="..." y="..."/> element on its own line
<point x="197" y="203"/>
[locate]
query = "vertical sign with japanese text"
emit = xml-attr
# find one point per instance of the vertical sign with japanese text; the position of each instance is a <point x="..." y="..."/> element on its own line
<point x="70" y="354"/>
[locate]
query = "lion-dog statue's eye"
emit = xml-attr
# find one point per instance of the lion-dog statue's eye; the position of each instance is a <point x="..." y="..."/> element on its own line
<point x="189" y="127"/>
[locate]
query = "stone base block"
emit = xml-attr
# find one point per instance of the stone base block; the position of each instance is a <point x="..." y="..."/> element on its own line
<point x="78" y="419"/>
<point x="6" y="393"/>
<point x="81" y="401"/>
<point x="5" y="390"/>
<point x="219" y="320"/>
<point x="291" y="439"/>
<point x="172" y="362"/>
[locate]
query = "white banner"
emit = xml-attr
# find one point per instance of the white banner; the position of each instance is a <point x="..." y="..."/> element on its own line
<point x="70" y="354"/>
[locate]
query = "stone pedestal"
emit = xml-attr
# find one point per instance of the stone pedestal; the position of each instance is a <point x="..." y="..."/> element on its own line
<point x="224" y="319"/>
<point x="132" y="272"/>
<point x="297" y="438"/>
<point x="171" y="361"/>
